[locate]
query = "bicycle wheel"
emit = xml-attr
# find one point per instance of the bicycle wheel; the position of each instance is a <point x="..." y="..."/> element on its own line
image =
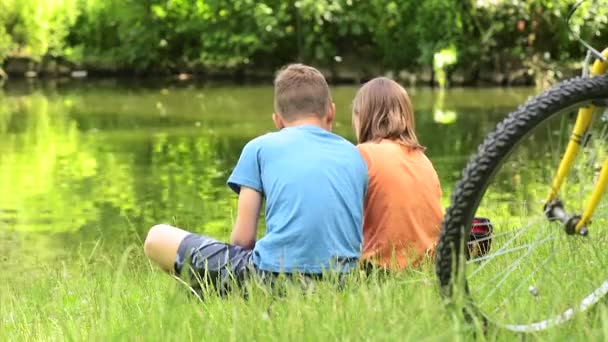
<point x="534" y="275"/>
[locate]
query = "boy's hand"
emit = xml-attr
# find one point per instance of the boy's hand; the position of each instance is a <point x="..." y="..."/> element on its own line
<point x="246" y="225"/>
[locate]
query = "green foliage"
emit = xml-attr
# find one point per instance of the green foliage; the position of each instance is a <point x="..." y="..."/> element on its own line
<point x="506" y="35"/>
<point x="5" y="43"/>
<point x="199" y="35"/>
<point x="175" y="34"/>
<point x="117" y="34"/>
<point x="36" y="28"/>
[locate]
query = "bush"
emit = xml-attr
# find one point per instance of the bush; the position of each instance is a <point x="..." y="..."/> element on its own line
<point x="188" y="35"/>
<point x="36" y="28"/>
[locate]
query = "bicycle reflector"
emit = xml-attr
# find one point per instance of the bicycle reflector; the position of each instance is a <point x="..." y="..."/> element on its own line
<point x="480" y="238"/>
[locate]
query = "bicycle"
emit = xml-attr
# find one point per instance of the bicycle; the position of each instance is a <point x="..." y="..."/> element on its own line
<point x="536" y="223"/>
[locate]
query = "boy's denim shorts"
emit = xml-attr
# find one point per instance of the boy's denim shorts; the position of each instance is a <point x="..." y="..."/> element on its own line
<point x="212" y="263"/>
<point x="221" y="266"/>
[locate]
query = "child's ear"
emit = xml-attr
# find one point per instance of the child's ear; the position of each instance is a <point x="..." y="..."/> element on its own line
<point x="356" y="124"/>
<point x="278" y="121"/>
<point x="331" y="115"/>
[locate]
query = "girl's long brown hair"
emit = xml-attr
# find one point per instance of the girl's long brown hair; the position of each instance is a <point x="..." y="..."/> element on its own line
<point x="385" y="111"/>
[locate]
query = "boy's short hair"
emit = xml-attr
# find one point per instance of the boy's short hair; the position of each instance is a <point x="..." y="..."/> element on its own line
<point x="300" y="90"/>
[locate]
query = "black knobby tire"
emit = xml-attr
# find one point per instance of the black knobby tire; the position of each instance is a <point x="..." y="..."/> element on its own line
<point x="495" y="149"/>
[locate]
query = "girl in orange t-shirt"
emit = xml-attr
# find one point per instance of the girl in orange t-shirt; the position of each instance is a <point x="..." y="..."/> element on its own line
<point x="402" y="215"/>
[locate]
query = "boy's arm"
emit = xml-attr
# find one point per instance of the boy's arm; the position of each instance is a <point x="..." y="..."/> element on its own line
<point x="246" y="225"/>
<point x="246" y="180"/>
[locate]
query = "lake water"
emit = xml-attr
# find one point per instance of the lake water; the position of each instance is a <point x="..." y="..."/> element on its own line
<point x="91" y="166"/>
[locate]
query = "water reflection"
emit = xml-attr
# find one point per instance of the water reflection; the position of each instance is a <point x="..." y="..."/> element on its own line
<point x="80" y="165"/>
<point x="440" y="113"/>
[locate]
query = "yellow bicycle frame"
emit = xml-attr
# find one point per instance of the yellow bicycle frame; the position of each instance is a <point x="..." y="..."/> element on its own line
<point x="583" y="121"/>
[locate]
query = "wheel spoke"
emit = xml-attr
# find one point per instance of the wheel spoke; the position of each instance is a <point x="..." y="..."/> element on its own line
<point x="508" y="243"/>
<point x="493" y="237"/>
<point x="518" y="287"/>
<point x="510" y="269"/>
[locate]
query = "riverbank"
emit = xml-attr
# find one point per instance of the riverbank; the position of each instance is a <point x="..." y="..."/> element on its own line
<point x="57" y="69"/>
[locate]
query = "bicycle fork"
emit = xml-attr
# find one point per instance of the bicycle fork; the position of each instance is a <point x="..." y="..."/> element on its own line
<point x="554" y="209"/>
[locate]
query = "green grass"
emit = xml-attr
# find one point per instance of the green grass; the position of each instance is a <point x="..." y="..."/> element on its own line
<point x="111" y="296"/>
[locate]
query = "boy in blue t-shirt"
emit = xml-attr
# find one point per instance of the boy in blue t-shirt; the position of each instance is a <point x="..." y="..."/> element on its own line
<point x="314" y="184"/>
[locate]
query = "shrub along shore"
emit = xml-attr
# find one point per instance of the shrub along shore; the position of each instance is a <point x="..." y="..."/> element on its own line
<point x="456" y="42"/>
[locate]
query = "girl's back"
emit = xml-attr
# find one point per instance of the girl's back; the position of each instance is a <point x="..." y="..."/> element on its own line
<point x="403" y="213"/>
<point x="403" y="204"/>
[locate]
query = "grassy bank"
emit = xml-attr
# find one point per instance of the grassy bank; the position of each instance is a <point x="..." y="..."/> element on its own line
<point x="101" y="297"/>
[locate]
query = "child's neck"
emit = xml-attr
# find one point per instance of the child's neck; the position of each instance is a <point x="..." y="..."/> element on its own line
<point x="312" y="120"/>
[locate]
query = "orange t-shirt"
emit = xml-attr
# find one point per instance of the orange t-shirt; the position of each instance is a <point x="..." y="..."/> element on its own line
<point x="403" y="213"/>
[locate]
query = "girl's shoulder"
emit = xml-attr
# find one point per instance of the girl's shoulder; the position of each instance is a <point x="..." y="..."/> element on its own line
<point x="382" y="145"/>
<point x="391" y="152"/>
<point x="381" y="152"/>
<point x="389" y="147"/>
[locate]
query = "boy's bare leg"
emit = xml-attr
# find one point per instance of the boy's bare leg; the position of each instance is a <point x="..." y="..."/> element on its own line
<point x="162" y="243"/>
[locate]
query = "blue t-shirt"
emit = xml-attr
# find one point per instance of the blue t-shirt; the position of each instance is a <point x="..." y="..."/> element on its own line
<point x="314" y="183"/>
